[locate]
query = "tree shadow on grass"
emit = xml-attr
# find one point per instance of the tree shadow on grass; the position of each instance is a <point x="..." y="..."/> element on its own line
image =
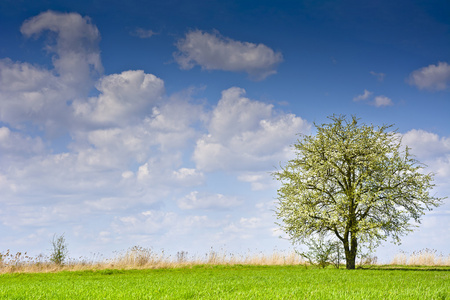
<point x="407" y="268"/>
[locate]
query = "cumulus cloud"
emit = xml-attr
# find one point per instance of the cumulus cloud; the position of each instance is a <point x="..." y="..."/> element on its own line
<point x="154" y="142"/>
<point x="76" y="46"/>
<point x="113" y="147"/>
<point x="141" y="162"/>
<point x="93" y="178"/>
<point x="430" y="149"/>
<point x="17" y="144"/>
<point x="124" y="97"/>
<point x="248" y="135"/>
<point x="29" y="93"/>
<point x="32" y="94"/>
<point x="364" y="96"/>
<point x="432" y="77"/>
<point x="105" y="169"/>
<point x="212" y="51"/>
<point x="128" y="136"/>
<point x="175" y="121"/>
<point x="426" y="144"/>
<point x="24" y="77"/>
<point x="378" y="101"/>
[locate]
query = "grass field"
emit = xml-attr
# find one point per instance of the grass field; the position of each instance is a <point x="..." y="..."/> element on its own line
<point x="230" y="282"/>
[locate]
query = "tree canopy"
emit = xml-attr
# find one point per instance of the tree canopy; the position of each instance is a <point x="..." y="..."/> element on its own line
<point x="355" y="182"/>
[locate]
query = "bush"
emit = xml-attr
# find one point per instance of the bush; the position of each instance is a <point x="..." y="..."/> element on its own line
<point x="323" y="252"/>
<point x="59" y="250"/>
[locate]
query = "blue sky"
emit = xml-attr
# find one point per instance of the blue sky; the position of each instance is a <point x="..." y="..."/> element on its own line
<point x="157" y="124"/>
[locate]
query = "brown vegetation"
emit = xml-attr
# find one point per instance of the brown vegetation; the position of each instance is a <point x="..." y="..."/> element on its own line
<point x="142" y="258"/>
<point x="145" y="258"/>
<point x="425" y="257"/>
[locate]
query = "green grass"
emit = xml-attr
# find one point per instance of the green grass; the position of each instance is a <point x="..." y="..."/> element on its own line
<point x="229" y="282"/>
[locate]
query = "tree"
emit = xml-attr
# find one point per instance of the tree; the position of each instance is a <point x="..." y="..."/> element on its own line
<point x="59" y="251"/>
<point x="353" y="181"/>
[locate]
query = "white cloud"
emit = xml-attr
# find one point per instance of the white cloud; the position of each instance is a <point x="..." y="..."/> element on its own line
<point x="214" y="52"/>
<point x="432" y="77"/>
<point x="235" y="114"/>
<point x="148" y="222"/>
<point x="366" y="95"/>
<point x="380" y="101"/>
<point x="17" y="144"/>
<point x="106" y="168"/>
<point x="162" y="225"/>
<point x="174" y="121"/>
<point x="257" y="227"/>
<point x="426" y="144"/>
<point x="188" y="177"/>
<point x="116" y="147"/>
<point x="8" y="187"/>
<point x="197" y="200"/>
<point x="24" y="77"/>
<point x="246" y="135"/>
<point x="33" y="94"/>
<point x="77" y="52"/>
<point x="258" y="180"/>
<point x="124" y="97"/>
<point x="430" y="149"/>
<point x="252" y="223"/>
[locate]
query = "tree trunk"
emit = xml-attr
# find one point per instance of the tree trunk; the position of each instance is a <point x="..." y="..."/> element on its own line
<point x="350" y="259"/>
<point x="350" y="253"/>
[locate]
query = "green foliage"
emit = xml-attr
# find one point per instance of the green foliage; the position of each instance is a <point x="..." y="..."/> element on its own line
<point x="59" y="250"/>
<point x="323" y="252"/>
<point x="232" y="282"/>
<point x="354" y="181"/>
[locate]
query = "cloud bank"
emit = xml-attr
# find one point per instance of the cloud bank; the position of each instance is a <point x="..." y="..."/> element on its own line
<point x="106" y="155"/>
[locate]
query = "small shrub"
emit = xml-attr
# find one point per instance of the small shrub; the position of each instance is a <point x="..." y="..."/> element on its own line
<point x="59" y="250"/>
<point x="323" y="252"/>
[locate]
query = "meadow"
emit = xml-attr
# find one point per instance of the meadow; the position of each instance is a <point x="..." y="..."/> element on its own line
<point x="140" y="273"/>
<point x="229" y="282"/>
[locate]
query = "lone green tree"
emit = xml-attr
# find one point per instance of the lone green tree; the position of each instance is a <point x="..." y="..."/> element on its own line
<point x="355" y="182"/>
